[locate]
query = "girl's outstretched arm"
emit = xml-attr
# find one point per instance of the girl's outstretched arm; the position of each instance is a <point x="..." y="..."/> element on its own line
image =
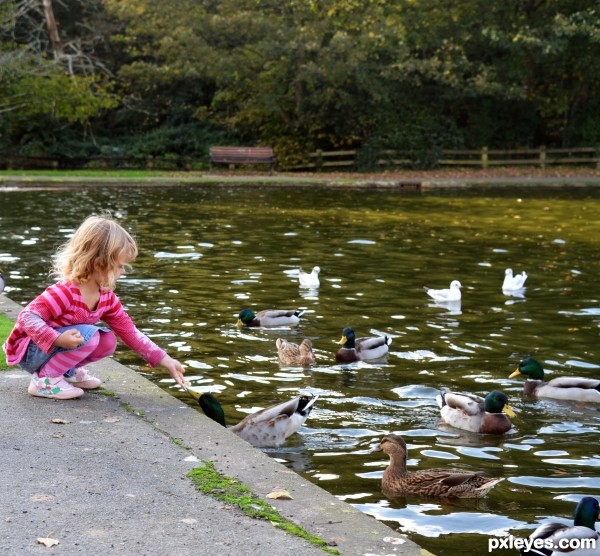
<point x="175" y="368"/>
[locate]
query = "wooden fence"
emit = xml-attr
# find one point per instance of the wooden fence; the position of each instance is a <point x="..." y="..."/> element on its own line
<point x="329" y="160"/>
<point x="481" y="158"/>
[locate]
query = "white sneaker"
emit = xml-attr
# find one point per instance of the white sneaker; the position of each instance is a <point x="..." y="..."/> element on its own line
<point x="82" y="379"/>
<point x="55" y="388"/>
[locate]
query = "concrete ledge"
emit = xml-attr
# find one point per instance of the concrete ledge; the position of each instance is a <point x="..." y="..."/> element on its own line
<point x="320" y="513"/>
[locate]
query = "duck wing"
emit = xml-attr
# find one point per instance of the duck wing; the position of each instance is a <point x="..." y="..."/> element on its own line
<point x="575" y="382"/>
<point x="279" y="317"/>
<point x="443" y="294"/>
<point x="514" y="282"/>
<point x="288" y="352"/>
<point x="470" y="404"/>
<point x="372" y="347"/>
<point x="449" y="483"/>
<point x="270" y="427"/>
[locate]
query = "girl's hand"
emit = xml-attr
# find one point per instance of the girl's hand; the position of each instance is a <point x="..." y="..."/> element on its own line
<point x="175" y="368"/>
<point x="69" y="339"/>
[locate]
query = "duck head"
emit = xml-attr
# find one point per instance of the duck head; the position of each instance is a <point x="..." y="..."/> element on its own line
<point x="348" y="338"/>
<point x="246" y="316"/>
<point x="530" y="368"/>
<point x="587" y="512"/>
<point x="212" y="408"/>
<point x="392" y="444"/>
<point x="497" y="402"/>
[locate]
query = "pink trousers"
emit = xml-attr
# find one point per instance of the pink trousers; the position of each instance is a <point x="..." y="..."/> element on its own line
<point x="100" y="345"/>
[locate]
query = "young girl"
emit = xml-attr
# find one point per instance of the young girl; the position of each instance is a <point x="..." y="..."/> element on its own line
<point x="58" y="332"/>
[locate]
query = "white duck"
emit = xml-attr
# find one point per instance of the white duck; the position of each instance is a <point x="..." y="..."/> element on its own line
<point x="512" y="283"/>
<point x="309" y="280"/>
<point x="451" y="294"/>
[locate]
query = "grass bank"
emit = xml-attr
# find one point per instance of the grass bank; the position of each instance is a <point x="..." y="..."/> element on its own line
<point x="554" y="175"/>
<point x="6" y="326"/>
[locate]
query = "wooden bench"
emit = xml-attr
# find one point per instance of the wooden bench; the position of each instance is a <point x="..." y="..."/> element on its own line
<point x="242" y="155"/>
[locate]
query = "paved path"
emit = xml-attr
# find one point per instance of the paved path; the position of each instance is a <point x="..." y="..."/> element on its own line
<point x="107" y="474"/>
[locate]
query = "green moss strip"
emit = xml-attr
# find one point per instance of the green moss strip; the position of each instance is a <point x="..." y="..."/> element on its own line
<point x="209" y="481"/>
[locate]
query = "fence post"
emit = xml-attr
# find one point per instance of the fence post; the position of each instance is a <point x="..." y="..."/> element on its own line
<point x="542" y="156"/>
<point x="149" y="162"/>
<point x="318" y="159"/>
<point x="484" y="157"/>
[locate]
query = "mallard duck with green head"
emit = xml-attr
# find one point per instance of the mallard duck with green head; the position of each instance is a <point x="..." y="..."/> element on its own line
<point x="269" y="318"/>
<point x="443" y="483"/>
<point x="489" y="415"/>
<point x="295" y="355"/>
<point x="361" y="349"/>
<point x="561" y="388"/>
<point x="267" y="428"/>
<point x="583" y="530"/>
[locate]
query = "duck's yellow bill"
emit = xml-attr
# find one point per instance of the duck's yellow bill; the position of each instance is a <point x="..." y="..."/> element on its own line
<point x="516" y="373"/>
<point x="506" y="409"/>
<point x="239" y="323"/>
<point x="343" y="340"/>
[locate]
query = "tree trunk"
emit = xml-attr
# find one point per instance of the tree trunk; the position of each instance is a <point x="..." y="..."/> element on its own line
<point x="53" y="29"/>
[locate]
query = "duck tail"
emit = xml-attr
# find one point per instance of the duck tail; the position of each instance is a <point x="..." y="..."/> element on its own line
<point x="489" y="485"/>
<point x="299" y="313"/>
<point x="305" y="404"/>
<point x="441" y="399"/>
<point x="388" y="340"/>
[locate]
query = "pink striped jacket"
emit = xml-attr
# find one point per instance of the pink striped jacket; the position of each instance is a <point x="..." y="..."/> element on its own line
<point x="63" y="305"/>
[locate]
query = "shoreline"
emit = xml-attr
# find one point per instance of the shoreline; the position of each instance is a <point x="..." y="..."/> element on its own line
<point x="409" y="179"/>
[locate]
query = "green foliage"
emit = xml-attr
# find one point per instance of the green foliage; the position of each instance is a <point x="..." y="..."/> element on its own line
<point x="189" y="139"/>
<point x="6" y="325"/>
<point x="299" y="76"/>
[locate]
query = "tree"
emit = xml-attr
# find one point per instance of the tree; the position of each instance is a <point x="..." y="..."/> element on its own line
<point x="46" y="82"/>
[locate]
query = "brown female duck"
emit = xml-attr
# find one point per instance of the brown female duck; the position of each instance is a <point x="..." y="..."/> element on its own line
<point x="444" y="483"/>
<point x="295" y="355"/>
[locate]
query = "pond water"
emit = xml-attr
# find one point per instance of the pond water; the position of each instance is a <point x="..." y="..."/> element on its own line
<point x="208" y="252"/>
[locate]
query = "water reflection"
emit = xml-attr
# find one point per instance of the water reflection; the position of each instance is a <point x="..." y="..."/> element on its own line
<point x="206" y="253"/>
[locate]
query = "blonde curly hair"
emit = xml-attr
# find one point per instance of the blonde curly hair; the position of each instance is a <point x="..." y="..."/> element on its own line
<point x="99" y="244"/>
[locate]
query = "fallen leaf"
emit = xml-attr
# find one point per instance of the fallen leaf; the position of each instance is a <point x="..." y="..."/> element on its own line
<point x="47" y="541"/>
<point x="394" y="540"/>
<point x="112" y="419"/>
<point x="58" y="421"/>
<point x="280" y="495"/>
